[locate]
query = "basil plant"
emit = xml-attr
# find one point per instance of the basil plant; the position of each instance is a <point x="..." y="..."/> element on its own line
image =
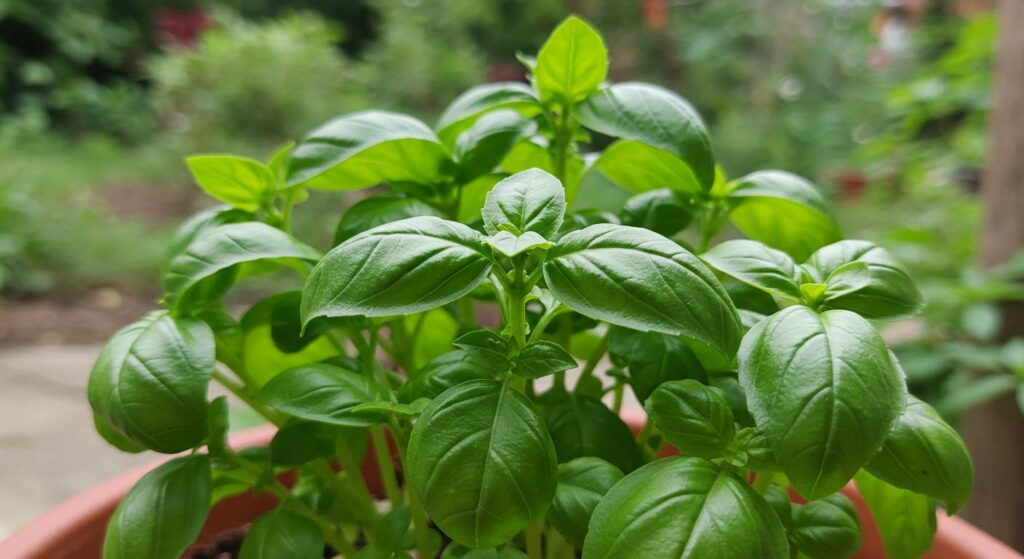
<point x="758" y="358"/>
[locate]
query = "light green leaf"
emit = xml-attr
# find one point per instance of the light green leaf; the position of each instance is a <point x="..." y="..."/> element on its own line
<point x="477" y="101"/>
<point x="906" y="520"/>
<point x="531" y="200"/>
<point x="323" y="393"/>
<point x="365" y="149"/>
<point x="484" y="145"/>
<point x="696" y="418"/>
<point x="403" y="267"/>
<point x="539" y="359"/>
<point x="261" y="357"/>
<point x="378" y="210"/>
<point x="639" y="167"/>
<point x="487" y="346"/>
<point x="281" y="533"/>
<point x="885" y="291"/>
<point x="825" y="391"/>
<point x="755" y="264"/>
<point x="510" y="244"/>
<point x="582" y="483"/>
<point x="571" y="64"/>
<point x="239" y="181"/>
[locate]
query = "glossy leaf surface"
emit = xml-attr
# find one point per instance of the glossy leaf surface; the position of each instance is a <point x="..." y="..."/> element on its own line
<point x="444" y="372"/>
<point x="663" y="211"/>
<point x="826" y="529"/>
<point x="571" y="64"/>
<point x="758" y="265"/>
<point x="378" y="210"/>
<point x="694" y="417"/>
<point x="238" y="181"/>
<point x="532" y="200"/>
<point x="478" y="100"/>
<point x="582" y="425"/>
<point x="321" y="392"/>
<point x="542" y="358"/>
<point x="282" y="533"/>
<point x="651" y="359"/>
<point x="886" y="291"/>
<point x="484" y="145"/>
<point x="582" y="483"/>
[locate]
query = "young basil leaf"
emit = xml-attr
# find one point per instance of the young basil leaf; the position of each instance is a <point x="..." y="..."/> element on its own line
<point x="783" y="211"/>
<point x="906" y="520"/>
<point x="663" y="211"/>
<point x="225" y="247"/>
<point x="887" y="292"/>
<point x="636" y="278"/>
<point x="444" y="372"/>
<point x="846" y="279"/>
<point x="510" y="244"/>
<point x="825" y="391"/>
<point x="651" y="359"/>
<point x="404" y="267"/>
<point x="583" y="426"/>
<point x="571" y="64"/>
<point x="755" y="264"/>
<point x="239" y="181"/>
<point x="321" y="392"/>
<point x="487" y="346"/>
<point x="484" y="145"/>
<point x="696" y="418"/>
<point x="282" y="533"/>
<point x="582" y="483"/>
<point x="925" y="455"/>
<point x="825" y="529"/>
<point x="543" y="358"/>
<point x="364" y="149"/>
<point x="751" y="450"/>
<point x="482" y="463"/>
<point x="477" y="101"/>
<point x="680" y="508"/>
<point x="149" y="382"/>
<point x="532" y="200"/>
<point x="198" y="225"/>
<point x="655" y="116"/>
<point x="378" y="210"/>
<point x="638" y="167"/>
<point x="163" y="513"/>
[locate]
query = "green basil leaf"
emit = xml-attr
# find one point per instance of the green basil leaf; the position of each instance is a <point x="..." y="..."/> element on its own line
<point x="113" y="437"/>
<point x="378" y="210"/>
<point x="751" y="450"/>
<point x="783" y="211"/>
<point x="477" y="101"/>
<point x="484" y="145"/>
<point x="482" y="463"/>
<point x="663" y="211"/>
<point x="651" y="359"/>
<point x="321" y="392"/>
<point x="636" y="278"/>
<point x="825" y="529"/>
<point x="532" y="200"/>
<point x="571" y="64"/>
<point x="888" y="290"/>
<point x="386" y="407"/>
<point x="582" y="483"/>
<point x="474" y="195"/>
<point x="198" y="225"/>
<point x="225" y="247"/>
<point x="543" y="358"/>
<point x="282" y="533"/>
<point x="300" y="441"/>
<point x="364" y="149"/>
<point x="239" y="181"/>
<point x="684" y="507"/>
<point x="163" y="513"/>
<point x="404" y="267"/>
<point x="905" y="520"/>
<point x="655" y="116"/>
<point x="638" y="167"/>
<point x="261" y="354"/>
<point x="696" y="418"/>
<point x="150" y="380"/>
<point x="925" y="455"/>
<point x="583" y="426"/>
<point x="825" y="391"/>
<point x="487" y="346"/>
<point x="755" y="264"/>
<point x="444" y="372"/>
<point x="510" y="244"/>
<point x="459" y="551"/>
<point x="846" y="279"/>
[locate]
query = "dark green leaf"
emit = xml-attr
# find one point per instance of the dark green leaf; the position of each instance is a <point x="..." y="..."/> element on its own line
<point x="364" y="149"/>
<point x="696" y="418"/>
<point x="825" y="529"/>
<point x="239" y="181"/>
<point x="378" y="210"/>
<point x="663" y="211"/>
<point x="487" y="346"/>
<point x="149" y="382"/>
<point x="476" y="101"/>
<point x="539" y="359"/>
<point x="218" y="424"/>
<point x="583" y="426"/>
<point x="163" y="513"/>
<point x="403" y="267"/>
<point x="783" y="211"/>
<point x="224" y="247"/>
<point x="114" y="438"/>
<point x="531" y="200"/>
<point x="582" y="483"/>
<point x="484" y="145"/>
<point x="321" y="392"/>
<point x="282" y="533"/>
<point x="392" y="529"/>
<point x="906" y="520"/>
<point x="636" y="278"/>
<point x="925" y="455"/>
<point x="887" y="291"/>
<point x="482" y="463"/>
<point x="825" y="391"/>
<point x="659" y="118"/>
<point x="679" y="508"/>
<point x="755" y="264"/>
<point x="300" y="441"/>
<point x="444" y="372"/>
<point x="652" y="359"/>
<point x="571" y="64"/>
<point x="197" y="226"/>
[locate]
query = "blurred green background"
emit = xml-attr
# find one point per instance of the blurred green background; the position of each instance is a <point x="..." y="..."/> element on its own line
<point x="883" y="104"/>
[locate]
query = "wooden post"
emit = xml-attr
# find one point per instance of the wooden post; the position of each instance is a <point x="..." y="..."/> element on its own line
<point x="995" y="431"/>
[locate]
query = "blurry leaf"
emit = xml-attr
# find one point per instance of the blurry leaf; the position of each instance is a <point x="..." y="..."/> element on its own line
<point x="906" y="520"/>
<point x="571" y="64"/>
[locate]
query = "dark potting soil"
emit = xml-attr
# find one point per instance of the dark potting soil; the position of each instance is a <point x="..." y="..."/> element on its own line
<point x="228" y="545"/>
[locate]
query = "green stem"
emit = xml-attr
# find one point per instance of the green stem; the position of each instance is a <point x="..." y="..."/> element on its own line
<point x="560" y="143"/>
<point x="387" y="466"/>
<point x="243" y="394"/>
<point x="517" y="316"/>
<point x="712" y="218"/>
<point x="357" y="484"/>
<point x="762" y="481"/>
<point x="620" y="391"/>
<point x="534" y="547"/>
<point x="419" y="516"/>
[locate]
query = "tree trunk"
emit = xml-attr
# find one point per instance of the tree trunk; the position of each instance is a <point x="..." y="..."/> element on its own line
<point x="995" y="431"/>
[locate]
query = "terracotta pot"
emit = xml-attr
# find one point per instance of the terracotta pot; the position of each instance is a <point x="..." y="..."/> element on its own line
<point x="74" y="529"/>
